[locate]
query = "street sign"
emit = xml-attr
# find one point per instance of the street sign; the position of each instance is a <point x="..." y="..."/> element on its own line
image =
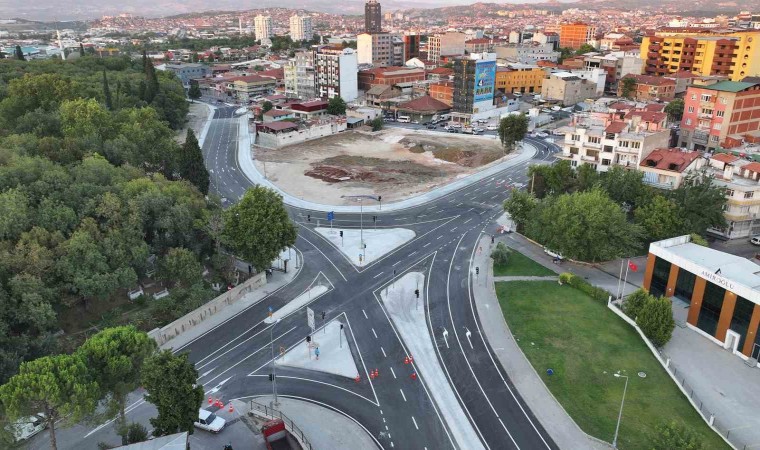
<point x="331" y="215"/>
<point x="310" y="318"/>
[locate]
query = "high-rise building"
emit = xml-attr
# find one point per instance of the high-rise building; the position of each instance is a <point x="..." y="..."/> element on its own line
<point x="300" y="28"/>
<point x="336" y="72"/>
<point x="372" y="17"/>
<point x="305" y="77"/>
<point x="703" y="52"/>
<point x="263" y="27"/>
<point x="447" y="44"/>
<point x="573" y="35"/>
<point x="411" y="46"/>
<point x="380" y="49"/>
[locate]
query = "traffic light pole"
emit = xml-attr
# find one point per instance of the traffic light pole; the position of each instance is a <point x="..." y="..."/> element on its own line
<point x="275" y="403"/>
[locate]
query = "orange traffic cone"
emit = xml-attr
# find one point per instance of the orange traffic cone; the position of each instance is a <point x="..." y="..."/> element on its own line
<point x="358" y="378"/>
<point x="406" y="360"/>
<point x="414" y="376"/>
<point x="210" y="400"/>
<point x="231" y="408"/>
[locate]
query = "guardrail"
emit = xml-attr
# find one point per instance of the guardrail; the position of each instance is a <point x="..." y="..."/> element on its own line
<point x="271" y="413"/>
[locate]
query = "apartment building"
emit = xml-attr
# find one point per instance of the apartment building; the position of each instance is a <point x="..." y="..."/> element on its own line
<point x="702" y="51"/>
<point x="300" y="28"/>
<point x="666" y="168"/>
<point x="389" y="76"/>
<point x="474" y="83"/>
<point x="741" y="179"/>
<point x="567" y="88"/>
<point x="336" y="72"/>
<point x="247" y="87"/>
<point x="615" y="64"/>
<point x="519" y="78"/>
<point x="380" y="49"/>
<point x="649" y="88"/>
<point x="603" y="140"/>
<point x="720" y="115"/>
<point x="526" y="52"/>
<point x="305" y="75"/>
<point x="373" y="17"/>
<point x="187" y="72"/>
<point x="446" y="44"/>
<point x="574" y="35"/>
<point x="290" y="78"/>
<point x="262" y="26"/>
<point x="411" y="46"/>
<point x="443" y="91"/>
<point x="479" y="45"/>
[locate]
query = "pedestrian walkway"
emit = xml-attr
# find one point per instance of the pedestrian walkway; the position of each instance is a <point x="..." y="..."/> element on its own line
<point x="521" y="278"/>
<point x="537" y="396"/>
<point x="274" y="282"/>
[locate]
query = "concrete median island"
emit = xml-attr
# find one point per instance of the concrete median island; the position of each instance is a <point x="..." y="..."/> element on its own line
<point x="584" y="344"/>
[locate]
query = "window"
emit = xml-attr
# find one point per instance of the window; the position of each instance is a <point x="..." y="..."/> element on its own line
<point x="705" y="97"/>
<point x="719" y="113"/>
<point x="714" y="138"/>
<point x="623" y="144"/>
<point x="723" y="100"/>
<point x="576" y="137"/>
<point x="729" y="192"/>
<point x="712" y="303"/>
<point x="635" y="144"/>
<point x="707" y="111"/>
<point x="594" y="140"/>
<point x="691" y="109"/>
<point x="749" y="194"/>
<point x="688" y="121"/>
<point x="740" y="320"/>
<point x="693" y="96"/>
<point x="717" y="126"/>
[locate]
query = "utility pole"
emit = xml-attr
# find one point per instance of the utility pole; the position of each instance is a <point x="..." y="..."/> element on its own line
<point x="274" y="367"/>
<point x="620" y="414"/>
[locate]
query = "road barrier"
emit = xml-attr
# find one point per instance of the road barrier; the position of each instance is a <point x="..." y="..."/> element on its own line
<point x="268" y="412"/>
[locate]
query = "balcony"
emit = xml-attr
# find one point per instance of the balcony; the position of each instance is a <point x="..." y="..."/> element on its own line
<point x="589" y="158"/>
<point x="704" y="116"/>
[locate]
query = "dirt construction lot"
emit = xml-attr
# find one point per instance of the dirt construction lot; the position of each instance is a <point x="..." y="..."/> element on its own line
<point x="395" y="163"/>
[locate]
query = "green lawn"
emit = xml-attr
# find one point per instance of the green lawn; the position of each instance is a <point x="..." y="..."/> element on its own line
<point x="561" y="328"/>
<point x="521" y="265"/>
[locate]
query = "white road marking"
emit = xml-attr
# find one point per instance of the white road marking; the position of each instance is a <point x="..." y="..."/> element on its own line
<point x="426" y="245"/>
<point x="402" y="394"/>
<point x="393" y="373"/>
<point x="446" y="337"/>
<point x="468" y="220"/>
<point x="365" y="314"/>
<point x="410" y="254"/>
<point x="439" y="237"/>
<point x="373" y="332"/>
<point x="377" y="275"/>
<point x="415" y="424"/>
<point x="383" y="350"/>
<point x="453" y="228"/>
<point x="468" y="334"/>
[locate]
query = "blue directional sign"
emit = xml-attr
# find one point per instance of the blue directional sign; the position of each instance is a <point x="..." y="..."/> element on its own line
<point x="270" y="309"/>
<point x="331" y="215"/>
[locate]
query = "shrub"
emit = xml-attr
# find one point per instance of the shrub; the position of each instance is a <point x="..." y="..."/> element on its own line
<point x="565" y="277"/>
<point x="634" y="302"/>
<point x="656" y="320"/>
<point x="136" y="432"/>
<point x="698" y="239"/>
<point x="584" y="286"/>
<point x="673" y="435"/>
<point x="377" y="124"/>
<point x="500" y="254"/>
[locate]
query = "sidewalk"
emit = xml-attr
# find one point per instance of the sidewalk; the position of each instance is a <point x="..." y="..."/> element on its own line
<point x="245" y="162"/>
<point x="323" y="427"/>
<point x="275" y="282"/>
<point x="563" y="430"/>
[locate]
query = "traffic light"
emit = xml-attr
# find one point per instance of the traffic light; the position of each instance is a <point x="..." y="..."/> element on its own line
<point x="374" y="218"/>
<point x="492" y="239"/>
<point x="323" y="315"/>
<point x="417" y="293"/>
<point x="271" y="377"/>
<point x="308" y="217"/>
<point x="477" y="270"/>
<point x="379" y="198"/>
<point x="341" y="233"/>
<point x="308" y="338"/>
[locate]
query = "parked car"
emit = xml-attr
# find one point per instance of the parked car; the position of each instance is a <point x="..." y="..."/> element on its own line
<point x="453" y="130"/>
<point x="209" y="421"/>
<point x="755" y="240"/>
<point x="492" y="127"/>
<point x="542" y="134"/>
<point x="432" y="126"/>
<point x="553" y="254"/>
<point x="27" y="427"/>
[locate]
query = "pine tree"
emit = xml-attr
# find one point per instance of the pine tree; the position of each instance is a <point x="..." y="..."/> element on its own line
<point x="151" y="82"/>
<point x="191" y="165"/>
<point x="20" y="54"/>
<point x="81" y="49"/>
<point x="107" y="91"/>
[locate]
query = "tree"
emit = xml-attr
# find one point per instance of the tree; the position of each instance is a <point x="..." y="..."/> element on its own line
<point x="20" y="54"/>
<point x="57" y="386"/>
<point x="586" y="177"/>
<point x="151" y="79"/>
<point x="500" y="254"/>
<point x="336" y="106"/>
<point x="181" y="267"/>
<point x="115" y="358"/>
<point x="107" y="92"/>
<point x="585" y="48"/>
<point x="625" y="187"/>
<point x="171" y="384"/>
<point x="564" y="53"/>
<point x="635" y="302"/>
<point x="701" y="203"/>
<point x="85" y="118"/>
<point x="195" y="91"/>
<point x="81" y="49"/>
<point x="520" y="206"/>
<point x="136" y="432"/>
<point x="656" y="320"/>
<point x="258" y="227"/>
<point x="512" y="129"/>
<point x="377" y="124"/>
<point x="191" y="165"/>
<point x="660" y="218"/>
<point x="266" y="106"/>
<point x="673" y="435"/>
<point x="674" y="110"/>
<point x="628" y="86"/>
<point x="584" y="225"/>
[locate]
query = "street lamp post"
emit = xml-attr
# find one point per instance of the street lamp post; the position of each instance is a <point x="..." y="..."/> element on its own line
<point x="274" y="367"/>
<point x="361" y="215"/>
<point x="620" y="414"/>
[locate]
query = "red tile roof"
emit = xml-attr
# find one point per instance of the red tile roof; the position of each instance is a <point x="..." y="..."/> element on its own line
<point x="647" y="116"/>
<point x="682" y="74"/>
<point x="725" y="158"/>
<point x="616" y="127"/>
<point x="478" y="41"/>
<point x="424" y="104"/>
<point x="657" y="107"/>
<point x="278" y="126"/>
<point x="441" y="71"/>
<point x="621" y="106"/>
<point x="752" y="167"/>
<point x="672" y="159"/>
<point x="651" y="80"/>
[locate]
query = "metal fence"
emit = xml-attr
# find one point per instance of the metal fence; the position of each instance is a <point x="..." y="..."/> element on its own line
<point x="291" y="426"/>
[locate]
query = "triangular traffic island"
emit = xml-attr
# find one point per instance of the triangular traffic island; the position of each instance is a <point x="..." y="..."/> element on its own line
<point x="334" y="353"/>
<point x="377" y="243"/>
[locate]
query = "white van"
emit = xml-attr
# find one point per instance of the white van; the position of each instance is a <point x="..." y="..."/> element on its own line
<point x="755" y="240"/>
<point x="404" y="119"/>
<point x="209" y="421"/>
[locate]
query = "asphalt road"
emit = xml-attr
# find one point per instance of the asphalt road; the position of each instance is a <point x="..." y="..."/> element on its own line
<point x="233" y="359"/>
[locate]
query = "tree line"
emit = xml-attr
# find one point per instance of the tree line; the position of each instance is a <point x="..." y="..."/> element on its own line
<point x="594" y="216"/>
